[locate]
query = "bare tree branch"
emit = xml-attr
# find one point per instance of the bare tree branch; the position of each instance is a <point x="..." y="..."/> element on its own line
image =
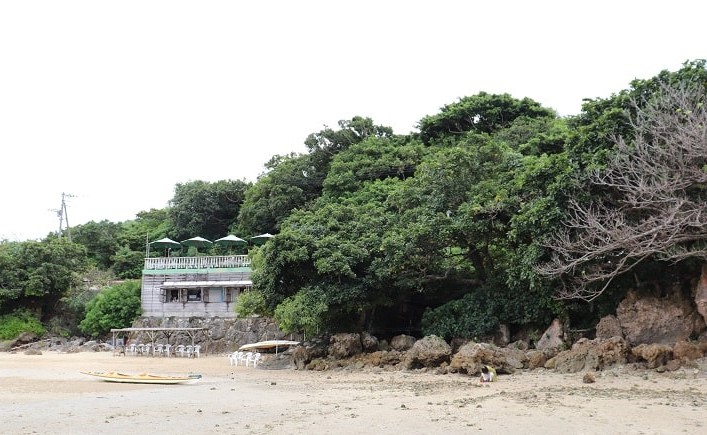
<point x="656" y="205"/>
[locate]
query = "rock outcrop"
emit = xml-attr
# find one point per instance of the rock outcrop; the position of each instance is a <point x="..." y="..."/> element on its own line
<point x="608" y="327"/>
<point x="430" y="351"/>
<point x="701" y="294"/>
<point x="590" y="355"/>
<point x="402" y="342"/>
<point x="472" y="356"/>
<point x="552" y="338"/>
<point x="345" y="345"/>
<point x="646" y="320"/>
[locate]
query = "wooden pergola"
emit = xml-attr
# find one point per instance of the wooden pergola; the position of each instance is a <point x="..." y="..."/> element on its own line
<point x="153" y="333"/>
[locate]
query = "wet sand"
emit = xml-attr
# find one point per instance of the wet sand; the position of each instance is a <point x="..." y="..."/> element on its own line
<point x="47" y="394"/>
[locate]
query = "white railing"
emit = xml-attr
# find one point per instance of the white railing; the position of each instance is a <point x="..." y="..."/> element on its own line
<point x="210" y="262"/>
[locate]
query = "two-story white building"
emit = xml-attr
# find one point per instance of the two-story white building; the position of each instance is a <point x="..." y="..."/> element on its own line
<point x="206" y="286"/>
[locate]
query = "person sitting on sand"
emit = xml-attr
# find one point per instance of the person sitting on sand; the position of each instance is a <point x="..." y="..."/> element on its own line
<point x="488" y="374"/>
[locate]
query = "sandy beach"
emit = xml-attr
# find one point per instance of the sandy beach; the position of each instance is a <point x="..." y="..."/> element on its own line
<point x="48" y="394"/>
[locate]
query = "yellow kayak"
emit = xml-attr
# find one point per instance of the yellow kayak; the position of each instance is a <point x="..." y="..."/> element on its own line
<point x="143" y="378"/>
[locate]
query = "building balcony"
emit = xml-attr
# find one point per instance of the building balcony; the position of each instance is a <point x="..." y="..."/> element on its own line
<point x="206" y="262"/>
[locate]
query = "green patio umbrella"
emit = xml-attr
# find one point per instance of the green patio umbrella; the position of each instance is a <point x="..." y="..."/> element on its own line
<point x="167" y="244"/>
<point x="230" y="241"/>
<point x="197" y="242"/>
<point x="259" y="240"/>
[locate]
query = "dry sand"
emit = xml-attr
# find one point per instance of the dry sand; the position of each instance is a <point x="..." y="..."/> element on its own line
<point x="47" y="394"/>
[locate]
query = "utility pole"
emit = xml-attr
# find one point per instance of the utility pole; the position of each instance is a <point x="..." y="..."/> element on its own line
<point x="63" y="215"/>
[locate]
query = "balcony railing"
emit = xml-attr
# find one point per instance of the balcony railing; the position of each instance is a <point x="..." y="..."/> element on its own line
<point x="210" y="262"/>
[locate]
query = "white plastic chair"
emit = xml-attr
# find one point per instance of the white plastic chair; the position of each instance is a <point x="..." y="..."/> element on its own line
<point x="233" y="358"/>
<point x="196" y="351"/>
<point x="244" y="357"/>
<point x="253" y="358"/>
<point x="189" y="349"/>
<point x="179" y="350"/>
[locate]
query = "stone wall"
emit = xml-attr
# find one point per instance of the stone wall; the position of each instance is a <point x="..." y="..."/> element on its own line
<point x="223" y="335"/>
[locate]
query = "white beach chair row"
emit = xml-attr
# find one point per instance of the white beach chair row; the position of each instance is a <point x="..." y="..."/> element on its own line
<point x="167" y="350"/>
<point x="245" y="358"/>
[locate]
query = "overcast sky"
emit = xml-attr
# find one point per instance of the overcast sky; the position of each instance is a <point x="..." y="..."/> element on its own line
<point x="117" y="102"/>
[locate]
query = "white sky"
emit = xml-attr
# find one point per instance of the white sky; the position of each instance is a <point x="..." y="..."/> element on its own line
<point x="117" y="102"/>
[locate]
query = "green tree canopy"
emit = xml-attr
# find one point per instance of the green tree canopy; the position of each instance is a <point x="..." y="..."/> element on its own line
<point x="205" y="209"/>
<point x="38" y="274"/>
<point x="114" y="307"/>
<point x="481" y="113"/>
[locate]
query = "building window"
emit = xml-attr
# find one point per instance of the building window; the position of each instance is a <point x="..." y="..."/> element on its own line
<point x="173" y="295"/>
<point x="193" y="295"/>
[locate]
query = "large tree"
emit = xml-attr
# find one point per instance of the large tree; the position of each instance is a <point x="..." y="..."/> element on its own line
<point x="100" y="239"/>
<point x="38" y="274"/>
<point x="295" y="181"/>
<point x="200" y="208"/>
<point x="480" y="113"/>
<point x="650" y="201"/>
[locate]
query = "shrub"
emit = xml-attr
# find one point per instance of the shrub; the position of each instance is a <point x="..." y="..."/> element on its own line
<point x="301" y="312"/>
<point x="12" y="325"/>
<point x="250" y="303"/>
<point x="468" y="317"/>
<point x="114" y="307"/>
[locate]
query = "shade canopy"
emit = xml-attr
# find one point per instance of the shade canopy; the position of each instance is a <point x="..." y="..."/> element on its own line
<point x="198" y="242"/>
<point x="165" y="243"/>
<point x="259" y="240"/>
<point x="230" y="240"/>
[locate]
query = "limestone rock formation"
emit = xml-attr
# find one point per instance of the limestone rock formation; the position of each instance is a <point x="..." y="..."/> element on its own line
<point x="650" y="319"/>
<point x="590" y="355"/>
<point x="430" y="351"/>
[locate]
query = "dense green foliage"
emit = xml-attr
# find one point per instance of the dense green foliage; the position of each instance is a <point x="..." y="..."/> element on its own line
<point x="205" y="209"/>
<point x="36" y="275"/>
<point x="12" y="325"/>
<point x="439" y="232"/>
<point x="114" y="307"/>
<point x="302" y="312"/>
<point x="250" y="303"/>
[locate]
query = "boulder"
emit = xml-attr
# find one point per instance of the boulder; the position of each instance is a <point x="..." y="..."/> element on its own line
<point x="345" y="345"/>
<point x="687" y="351"/>
<point x="651" y="319"/>
<point x="472" y="356"/>
<point x="383" y="345"/>
<point x="590" y="355"/>
<point x="538" y="358"/>
<point x="673" y="365"/>
<point x="552" y="337"/>
<point x="317" y="347"/>
<point x="300" y="357"/>
<point x="317" y="364"/>
<point x="402" y="342"/>
<point x="457" y="343"/>
<point x="382" y="358"/>
<point x="519" y="344"/>
<point x="280" y="361"/>
<point x="608" y="327"/>
<point x="653" y="355"/>
<point x="369" y="342"/>
<point x="430" y="351"/>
